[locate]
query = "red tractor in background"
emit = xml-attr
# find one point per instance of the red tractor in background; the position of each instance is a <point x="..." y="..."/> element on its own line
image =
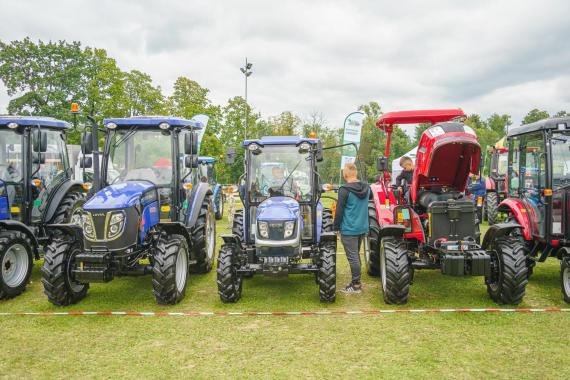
<point x="539" y="191"/>
<point x="496" y="179"/>
<point x="430" y="224"/>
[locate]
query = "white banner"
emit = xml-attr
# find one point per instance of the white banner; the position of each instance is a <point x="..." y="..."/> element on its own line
<point x="352" y="134"/>
<point x="201" y="118"/>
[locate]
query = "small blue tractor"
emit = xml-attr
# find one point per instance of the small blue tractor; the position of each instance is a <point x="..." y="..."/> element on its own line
<point x="283" y="228"/>
<point x="207" y="173"/>
<point x="36" y="189"/>
<point x="147" y="218"/>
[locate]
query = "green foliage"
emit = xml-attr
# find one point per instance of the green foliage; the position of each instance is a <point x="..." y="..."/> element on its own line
<point x="535" y="115"/>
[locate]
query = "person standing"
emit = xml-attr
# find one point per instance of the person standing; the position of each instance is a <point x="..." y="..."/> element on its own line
<point x="351" y="221"/>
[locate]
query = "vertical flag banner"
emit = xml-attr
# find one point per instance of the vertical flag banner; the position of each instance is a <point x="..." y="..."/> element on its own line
<point x="352" y="133"/>
<point x="204" y="120"/>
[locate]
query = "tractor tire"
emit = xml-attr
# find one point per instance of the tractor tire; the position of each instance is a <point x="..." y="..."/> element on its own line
<point x="67" y="210"/>
<point x="219" y="202"/>
<point x="327" y="272"/>
<point x="59" y="287"/>
<point x="395" y="271"/>
<point x="372" y="260"/>
<point x="327" y="226"/>
<point x="491" y="207"/>
<point x="565" y="278"/>
<point x="230" y="283"/>
<point x="16" y="258"/>
<point x="170" y="269"/>
<point x="204" y="238"/>
<point x="508" y="285"/>
<point x="237" y="226"/>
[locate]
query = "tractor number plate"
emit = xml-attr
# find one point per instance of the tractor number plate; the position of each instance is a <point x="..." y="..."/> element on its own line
<point x="457" y="247"/>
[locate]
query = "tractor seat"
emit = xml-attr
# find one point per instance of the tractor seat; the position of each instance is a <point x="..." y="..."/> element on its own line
<point x="428" y="197"/>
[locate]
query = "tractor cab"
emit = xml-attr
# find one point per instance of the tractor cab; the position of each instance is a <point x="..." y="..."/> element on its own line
<point x="207" y="173"/>
<point x="539" y="190"/>
<point x="496" y="167"/>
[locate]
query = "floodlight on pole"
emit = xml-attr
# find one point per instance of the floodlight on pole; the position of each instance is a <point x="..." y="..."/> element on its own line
<point x="246" y="71"/>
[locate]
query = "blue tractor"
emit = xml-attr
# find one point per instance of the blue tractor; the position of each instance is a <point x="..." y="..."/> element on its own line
<point x="283" y="228"/>
<point x="207" y="173"/>
<point x="36" y="189"/>
<point x="148" y="217"/>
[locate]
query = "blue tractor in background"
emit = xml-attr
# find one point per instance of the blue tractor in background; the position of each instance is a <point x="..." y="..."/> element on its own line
<point x="147" y="218"/>
<point x="36" y="189"/>
<point x="207" y="173"/>
<point x="283" y="228"/>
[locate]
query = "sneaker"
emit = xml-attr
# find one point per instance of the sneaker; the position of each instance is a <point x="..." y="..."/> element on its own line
<point x="352" y="289"/>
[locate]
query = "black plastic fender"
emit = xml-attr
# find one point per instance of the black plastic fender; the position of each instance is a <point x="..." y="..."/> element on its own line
<point x="58" y="195"/>
<point x="68" y="229"/>
<point x="498" y="230"/>
<point x="195" y="202"/>
<point x="21" y="227"/>
<point x="175" y="228"/>
<point x="328" y="236"/>
<point x="391" y="230"/>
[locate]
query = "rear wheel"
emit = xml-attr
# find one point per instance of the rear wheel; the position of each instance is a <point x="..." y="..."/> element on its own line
<point x="69" y="207"/>
<point x="491" y="207"/>
<point x="219" y="202"/>
<point x="395" y="271"/>
<point x="565" y="278"/>
<point x="229" y="281"/>
<point x="507" y="285"/>
<point x="372" y="257"/>
<point x="170" y="269"/>
<point x="16" y="258"/>
<point x="326" y="276"/>
<point x="204" y="238"/>
<point x="59" y="285"/>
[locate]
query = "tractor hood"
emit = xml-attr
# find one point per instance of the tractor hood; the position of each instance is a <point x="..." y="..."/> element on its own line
<point x="118" y="196"/>
<point x="278" y="208"/>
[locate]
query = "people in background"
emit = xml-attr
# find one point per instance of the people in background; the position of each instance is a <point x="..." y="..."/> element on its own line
<point x="476" y="189"/>
<point x="404" y="179"/>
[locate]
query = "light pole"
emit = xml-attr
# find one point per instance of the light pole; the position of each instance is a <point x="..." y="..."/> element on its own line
<point x="246" y="70"/>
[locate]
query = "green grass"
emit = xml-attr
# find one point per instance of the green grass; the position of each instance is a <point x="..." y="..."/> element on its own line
<point x="387" y="346"/>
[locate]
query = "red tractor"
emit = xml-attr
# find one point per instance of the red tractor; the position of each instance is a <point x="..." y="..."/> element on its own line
<point x="539" y="191"/>
<point x="430" y="224"/>
<point x="496" y="180"/>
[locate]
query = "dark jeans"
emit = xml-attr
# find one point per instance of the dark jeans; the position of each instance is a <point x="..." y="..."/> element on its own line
<point x="351" y="244"/>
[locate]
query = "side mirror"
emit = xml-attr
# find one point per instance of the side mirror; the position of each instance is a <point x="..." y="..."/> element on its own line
<point x="382" y="164"/>
<point x="191" y="161"/>
<point x="38" y="158"/>
<point x="86" y="162"/>
<point x="230" y="156"/>
<point x="86" y="143"/>
<point x="319" y="154"/>
<point x="191" y="143"/>
<point x="40" y="141"/>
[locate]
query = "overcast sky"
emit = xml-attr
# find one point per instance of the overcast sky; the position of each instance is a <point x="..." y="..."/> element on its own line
<point x="327" y="56"/>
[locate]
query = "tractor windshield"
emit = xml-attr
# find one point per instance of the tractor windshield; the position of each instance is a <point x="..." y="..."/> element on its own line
<point x="502" y="163"/>
<point x="279" y="170"/>
<point x="560" y="159"/>
<point x="140" y="155"/>
<point x="10" y="156"/>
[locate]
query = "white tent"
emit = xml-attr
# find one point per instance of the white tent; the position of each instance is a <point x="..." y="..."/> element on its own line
<point x="396" y="169"/>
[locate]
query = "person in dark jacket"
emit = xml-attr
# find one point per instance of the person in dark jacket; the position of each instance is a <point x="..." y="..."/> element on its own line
<point x="404" y="179"/>
<point x="351" y="220"/>
<point x="477" y="189"/>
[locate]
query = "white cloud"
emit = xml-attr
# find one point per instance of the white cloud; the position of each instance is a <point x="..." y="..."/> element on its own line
<point x="328" y="56"/>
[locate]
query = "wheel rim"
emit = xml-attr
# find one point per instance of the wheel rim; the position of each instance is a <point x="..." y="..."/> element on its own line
<point x="76" y="287"/>
<point x="181" y="269"/>
<point x="210" y="236"/>
<point x="495" y="285"/>
<point x="383" y="267"/>
<point x="15" y="265"/>
<point x="220" y="206"/>
<point x="566" y="280"/>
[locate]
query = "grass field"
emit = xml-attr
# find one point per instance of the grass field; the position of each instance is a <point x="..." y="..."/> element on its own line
<point x="384" y="346"/>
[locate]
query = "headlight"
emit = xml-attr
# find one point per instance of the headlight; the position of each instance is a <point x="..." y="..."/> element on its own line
<point x="253" y="147"/>
<point x="12" y="125"/>
<point x="88" y="228"/>
<point x="116" y="224"/>
<point x="111" y="125"/>
<point x="263" y="228"/>
<point x="289" y="228"/>
<point x="164" y="126"/>
<point x="304" y="147"/>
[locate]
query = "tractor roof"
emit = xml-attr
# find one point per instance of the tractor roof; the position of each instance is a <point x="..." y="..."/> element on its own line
<point x="418" y="116"/>
<point x="540" y="125"/>
<point x="206" y="160"/>
<point x="48" y="122"/>
<point x="153" y="121"/>
<point x="280" y="140"/>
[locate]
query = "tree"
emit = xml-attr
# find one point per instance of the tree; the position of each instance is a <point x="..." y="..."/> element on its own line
<point x="535" y="115"/>
<point x="286" y="124"/>
<point x="142" y="98"/>
<point x="561" y="114"/>
<point x="499" y="123"/>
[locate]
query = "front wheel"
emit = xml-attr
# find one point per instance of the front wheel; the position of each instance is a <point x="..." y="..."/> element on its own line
<point x="219" y="201"/>
<point x="372" y="256"/>
<point x="204" y="238"/>
<point x="16" y="258"/>
<point x="229" y="281"/>
<point x="395" y="271"/>
<point x="507" y="285"/>
<point x="565" y="278"/>
<point x="59" y="261"/>
<point x="326" y="276"/>
<point x="491" y="207"/>
<point x="170" y="269"/>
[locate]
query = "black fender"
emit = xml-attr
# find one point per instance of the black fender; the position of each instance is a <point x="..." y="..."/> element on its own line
<point x="176" y="228"/>
<point x="498" y="230"/>
<point x="391" y="230"/>
<point x="195" y="202"/>
<point x="328" y="236"/>
<point x="57" y="196"/>
<point x="231" y="239"/>
<point x="16" y="225"/>
<point x="69" y="229"/>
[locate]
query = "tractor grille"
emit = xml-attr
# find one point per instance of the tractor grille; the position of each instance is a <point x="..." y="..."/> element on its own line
<point x="98" y="218"/>
<point x="276" y="231"/>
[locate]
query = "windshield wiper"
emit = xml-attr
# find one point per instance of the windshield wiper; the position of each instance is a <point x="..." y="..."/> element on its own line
<point x="129" y="133"/>
<point x="290" y="174"/>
